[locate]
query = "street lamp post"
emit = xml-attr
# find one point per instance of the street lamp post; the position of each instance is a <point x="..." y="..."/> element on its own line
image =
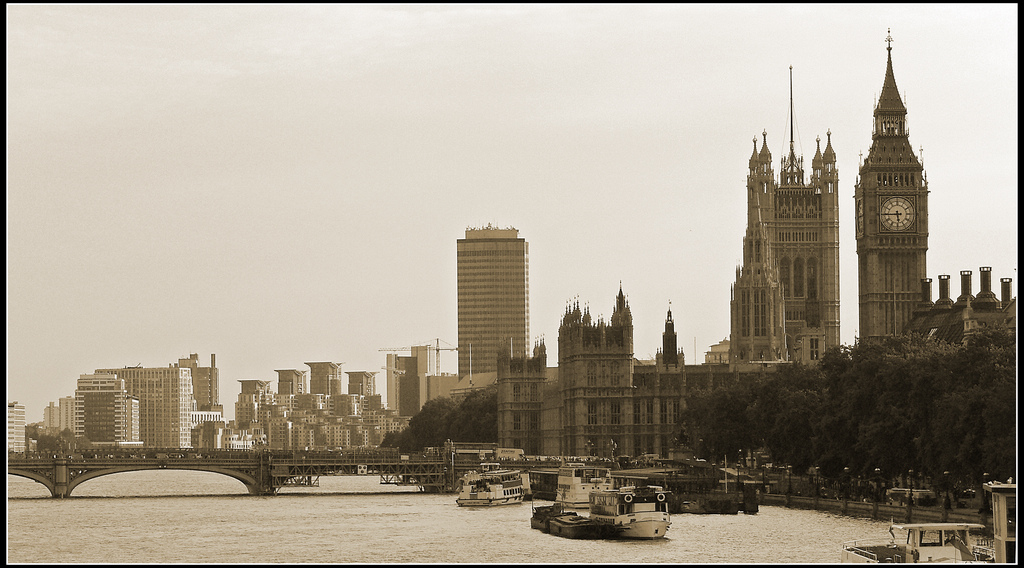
<point x="985" y="505"/>
<point x="878" y="484"/>
<point x="911" y="498"/>
<point x="945" y="483"/>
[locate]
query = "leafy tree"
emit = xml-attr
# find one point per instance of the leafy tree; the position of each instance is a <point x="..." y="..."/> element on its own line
<point x="476" y="418"/>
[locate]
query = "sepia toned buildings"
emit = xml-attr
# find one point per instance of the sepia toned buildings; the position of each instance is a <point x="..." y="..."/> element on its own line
<point x="891" y="200"/>
<point x="785" y="300"/>
<point x="493" y="279"/>
<point x="955" y="321"/>
<point x="105" y="412"/>
<point x="165" y="403"/>
<point x="15" y="426"/>
<point x="599" y="400"/>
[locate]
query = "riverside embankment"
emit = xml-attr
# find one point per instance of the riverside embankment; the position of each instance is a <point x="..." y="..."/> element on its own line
<point x="879" y="511"/>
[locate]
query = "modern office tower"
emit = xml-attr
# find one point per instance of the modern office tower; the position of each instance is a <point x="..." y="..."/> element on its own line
<point x="15" y="427"/>
<point x="205" y="382"/>
<point x="165" y="403"/>
<point x="891" y="197"/>
<point x="785" y="304"/>
<point x="361" y="383"/>
<point x="325" y="378"/>
<point x="291" y="381"/>
<point x="494" y="297"/>
<point x="105" y="413"/>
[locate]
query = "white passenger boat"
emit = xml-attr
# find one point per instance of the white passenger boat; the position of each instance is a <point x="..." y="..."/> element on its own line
<point x="576" y="481"/>
<point x="923" y="542"/>
<point x="634" y="512"/>
<point x="491" y="487"/>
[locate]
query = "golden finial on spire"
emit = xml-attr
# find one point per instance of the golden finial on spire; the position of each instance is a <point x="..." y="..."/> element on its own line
<point x="888" y="39"/>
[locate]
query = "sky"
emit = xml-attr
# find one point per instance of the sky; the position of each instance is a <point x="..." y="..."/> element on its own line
<point x="279" y="184"/>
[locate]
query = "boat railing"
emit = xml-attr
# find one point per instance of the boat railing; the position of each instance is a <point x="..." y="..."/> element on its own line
<point x="983" y="547"/>
<point x="864" y="552"/>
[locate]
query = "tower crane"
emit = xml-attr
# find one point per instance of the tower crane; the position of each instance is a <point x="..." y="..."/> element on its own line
<point x="436" y="348"/>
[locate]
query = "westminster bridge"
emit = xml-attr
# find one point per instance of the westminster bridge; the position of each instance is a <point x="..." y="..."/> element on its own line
<point x="263" y="472"/>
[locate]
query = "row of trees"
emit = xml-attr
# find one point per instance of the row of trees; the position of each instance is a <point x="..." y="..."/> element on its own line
<point x="55" y="443"/>
<point x="896" y="404"/>
<point x="474" y="419"/>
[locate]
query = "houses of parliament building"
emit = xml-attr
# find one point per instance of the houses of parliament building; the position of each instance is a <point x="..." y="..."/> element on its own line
<point x="600" y="400"/>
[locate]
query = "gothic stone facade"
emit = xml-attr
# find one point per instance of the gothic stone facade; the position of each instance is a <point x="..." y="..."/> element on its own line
<point x="599" y="400"/>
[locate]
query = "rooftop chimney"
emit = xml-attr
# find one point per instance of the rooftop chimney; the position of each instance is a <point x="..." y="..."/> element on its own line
<point x="986" y="299"/>
<point x="1007" y="291"/>
<point x="926" y="295"/>
<point x="944" y="302"/>
<point x="965" y="289"/>
<point x="926" y="291"/>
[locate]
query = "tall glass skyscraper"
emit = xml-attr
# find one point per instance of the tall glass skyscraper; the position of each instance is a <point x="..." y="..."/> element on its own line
<point x="494" y="297"/>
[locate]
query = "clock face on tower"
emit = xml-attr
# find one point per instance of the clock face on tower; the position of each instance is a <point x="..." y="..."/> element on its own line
<point x="897" y="214"/>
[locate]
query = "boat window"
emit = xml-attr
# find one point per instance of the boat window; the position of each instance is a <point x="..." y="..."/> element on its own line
<point x="931" y="537"/>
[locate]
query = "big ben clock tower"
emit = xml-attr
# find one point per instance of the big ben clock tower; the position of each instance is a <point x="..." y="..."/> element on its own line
<point x="891" y="205"/>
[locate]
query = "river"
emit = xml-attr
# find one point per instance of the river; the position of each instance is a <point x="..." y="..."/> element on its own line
<point x="198" y="517"/>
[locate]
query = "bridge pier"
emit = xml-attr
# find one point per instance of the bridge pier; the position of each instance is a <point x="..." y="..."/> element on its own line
<point x="60" y="479"/>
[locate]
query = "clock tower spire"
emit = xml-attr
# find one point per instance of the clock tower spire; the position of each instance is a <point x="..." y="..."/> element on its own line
<point x="891" y="200"/>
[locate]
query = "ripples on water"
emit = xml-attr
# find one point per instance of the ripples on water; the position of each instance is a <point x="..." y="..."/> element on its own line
<point x="195" y="517"/>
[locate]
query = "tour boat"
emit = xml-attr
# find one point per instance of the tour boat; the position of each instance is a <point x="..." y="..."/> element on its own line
<point x="633" y="512"/>
<point x="924" y="542"/>
<point x="576" y="481"/>
<point x="489" y="488"/>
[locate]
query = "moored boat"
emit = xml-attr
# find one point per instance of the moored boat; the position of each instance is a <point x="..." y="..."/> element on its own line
<point x="490" y="488"/>
<point x="573" y="525"/>
<point x="924" y="542"/>
<point x="576" y="481"/>
<point x="632" y="512"/>
<point x="542" y="516"/>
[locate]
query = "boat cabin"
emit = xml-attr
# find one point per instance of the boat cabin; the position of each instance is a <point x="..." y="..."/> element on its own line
<point x="924" y="542"/>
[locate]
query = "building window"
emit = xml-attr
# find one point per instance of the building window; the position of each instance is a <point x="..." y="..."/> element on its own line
<point x="517" y="421"/>
<point x="591" y="374"/>
<point x="814" y="349"/>
<point x="745" y="313"/>
<point x="592" y="413"/>
<point x="616" y="412"/>
<point x="517" y="393"/>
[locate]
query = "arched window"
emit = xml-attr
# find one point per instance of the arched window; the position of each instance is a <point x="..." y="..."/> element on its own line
<point x="812" y="278"/>
<point x="798" y="278"/>
<point x="784" y="273"/>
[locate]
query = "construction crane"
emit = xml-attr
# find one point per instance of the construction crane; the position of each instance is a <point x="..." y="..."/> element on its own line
<point x="436" y="348"/>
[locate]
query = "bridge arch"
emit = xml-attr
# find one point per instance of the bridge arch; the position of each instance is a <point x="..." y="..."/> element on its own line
<point x="250" y="482"/>
<point x="252" y="485"/>
<point x="34" y="476"/>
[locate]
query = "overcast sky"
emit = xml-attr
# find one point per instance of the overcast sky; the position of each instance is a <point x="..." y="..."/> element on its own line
<point x="282" y="184"/>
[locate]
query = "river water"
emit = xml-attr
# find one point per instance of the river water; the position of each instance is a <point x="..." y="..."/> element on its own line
<point x="199" y="517"/>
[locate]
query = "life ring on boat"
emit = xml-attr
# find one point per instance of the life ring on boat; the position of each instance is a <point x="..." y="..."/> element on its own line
<point x="661" y="496"/>
<point x="628" y="498"/>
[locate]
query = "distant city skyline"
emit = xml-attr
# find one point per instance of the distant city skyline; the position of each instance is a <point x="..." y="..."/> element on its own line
<point x="278" y="184"/>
